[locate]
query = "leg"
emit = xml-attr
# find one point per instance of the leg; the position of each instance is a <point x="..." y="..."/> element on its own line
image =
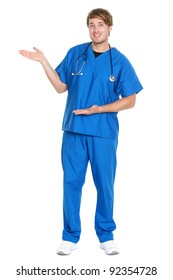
<point x="74" y="162"/>
<point x="102" y="154"/>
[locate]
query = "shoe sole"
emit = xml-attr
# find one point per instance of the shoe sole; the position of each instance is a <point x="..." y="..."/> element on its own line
<point x="62" y="253"/>
<point x="112" y="253"/>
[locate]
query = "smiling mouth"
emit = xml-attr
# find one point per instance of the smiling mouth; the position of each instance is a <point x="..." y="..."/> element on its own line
<point x="96" y="35"/>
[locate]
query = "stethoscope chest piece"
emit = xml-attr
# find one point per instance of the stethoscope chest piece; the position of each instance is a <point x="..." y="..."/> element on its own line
<point x="112" y="78"/>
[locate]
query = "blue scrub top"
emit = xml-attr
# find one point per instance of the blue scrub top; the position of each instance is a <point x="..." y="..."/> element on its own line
<point x="94" y="88"/>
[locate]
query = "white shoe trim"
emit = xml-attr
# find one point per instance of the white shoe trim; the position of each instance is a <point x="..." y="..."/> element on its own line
<point x="66" y="247"/>
<point x="109" y="247"/>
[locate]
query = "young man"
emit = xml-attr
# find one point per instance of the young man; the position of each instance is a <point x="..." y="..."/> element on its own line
<point x="100" y="82"/>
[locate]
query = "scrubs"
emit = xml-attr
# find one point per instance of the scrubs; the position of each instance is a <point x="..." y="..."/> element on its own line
<point x="92" y="138"/>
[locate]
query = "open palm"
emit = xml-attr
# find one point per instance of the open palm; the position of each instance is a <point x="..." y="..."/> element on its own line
<point x="37" y="55"/>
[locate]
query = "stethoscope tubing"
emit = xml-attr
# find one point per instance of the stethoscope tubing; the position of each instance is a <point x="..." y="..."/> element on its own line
<point x="79" y="73"/>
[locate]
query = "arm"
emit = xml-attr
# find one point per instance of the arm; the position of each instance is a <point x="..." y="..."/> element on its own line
<point x="53" y="77"/>
<point x="119" y="105"/>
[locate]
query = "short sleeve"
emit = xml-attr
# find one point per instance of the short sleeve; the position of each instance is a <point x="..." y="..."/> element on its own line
<point x="129" y="83"/>
<point x="61" y="70"/>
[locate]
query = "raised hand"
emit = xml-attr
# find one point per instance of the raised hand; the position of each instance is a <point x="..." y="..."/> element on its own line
<point x="53" y="77"/>
<point x="37" y="55"/>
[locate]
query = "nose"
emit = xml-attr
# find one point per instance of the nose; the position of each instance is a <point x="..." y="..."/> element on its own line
<point x="95" y="29"/>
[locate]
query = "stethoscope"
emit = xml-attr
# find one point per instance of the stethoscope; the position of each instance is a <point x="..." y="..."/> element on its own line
<point x="84" y="57"/>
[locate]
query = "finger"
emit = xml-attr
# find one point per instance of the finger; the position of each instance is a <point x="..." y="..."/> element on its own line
<point x="22" y="51"/>
<point x="36" y="49"/>
<point x="82" y="112"/>
<point x="25" y="53"/>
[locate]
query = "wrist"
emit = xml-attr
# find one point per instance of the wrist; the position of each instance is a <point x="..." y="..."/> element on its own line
<point x="101" y="109"/>
<point x="44" y="61"/>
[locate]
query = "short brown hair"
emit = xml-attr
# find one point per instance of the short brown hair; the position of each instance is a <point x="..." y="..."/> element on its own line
<point x="102" y="14"/>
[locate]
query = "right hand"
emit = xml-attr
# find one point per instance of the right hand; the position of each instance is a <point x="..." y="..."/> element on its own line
<point x="37" y="55"/>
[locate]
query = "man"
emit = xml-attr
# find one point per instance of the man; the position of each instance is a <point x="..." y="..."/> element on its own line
<point x="100" y="82"/>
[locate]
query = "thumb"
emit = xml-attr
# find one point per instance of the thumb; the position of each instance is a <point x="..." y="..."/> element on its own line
<point x="36" y="49"/>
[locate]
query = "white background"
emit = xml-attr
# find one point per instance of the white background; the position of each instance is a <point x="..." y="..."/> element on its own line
<point x="30" y="139"/>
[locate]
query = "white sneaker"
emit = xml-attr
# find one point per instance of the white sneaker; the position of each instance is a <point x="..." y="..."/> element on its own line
<point x="109" y="247"/>
<point x="66" y="247"/>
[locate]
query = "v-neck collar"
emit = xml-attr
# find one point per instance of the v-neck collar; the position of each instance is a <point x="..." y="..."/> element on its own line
<point x="92" y="56"/>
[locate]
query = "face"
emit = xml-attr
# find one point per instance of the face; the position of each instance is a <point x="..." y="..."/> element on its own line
<point x="98" y="30"/>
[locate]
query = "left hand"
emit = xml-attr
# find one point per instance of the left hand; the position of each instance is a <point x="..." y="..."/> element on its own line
<point x="89" y="111"/>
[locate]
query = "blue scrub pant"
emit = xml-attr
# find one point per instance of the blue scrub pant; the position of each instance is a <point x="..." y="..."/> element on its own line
<point x="77" y="151"/>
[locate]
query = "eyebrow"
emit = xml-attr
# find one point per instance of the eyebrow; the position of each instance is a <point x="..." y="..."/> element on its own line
<point x="97" y="22"/>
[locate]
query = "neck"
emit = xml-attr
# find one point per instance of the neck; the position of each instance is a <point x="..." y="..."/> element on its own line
<point x="100" y="47"/>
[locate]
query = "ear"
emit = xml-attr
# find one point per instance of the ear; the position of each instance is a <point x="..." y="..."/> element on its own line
<point x="110" y="28"/>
